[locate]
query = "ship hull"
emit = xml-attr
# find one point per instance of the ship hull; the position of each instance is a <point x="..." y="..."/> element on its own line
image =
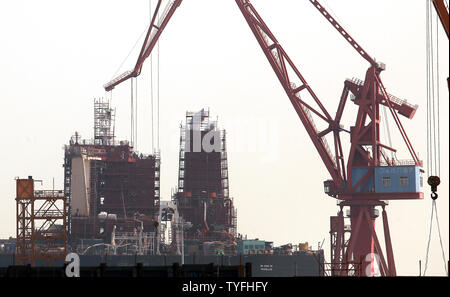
<point x="263" y="265"/>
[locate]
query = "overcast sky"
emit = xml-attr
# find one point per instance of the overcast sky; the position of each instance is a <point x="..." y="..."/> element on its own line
<point x="55" y="57"/>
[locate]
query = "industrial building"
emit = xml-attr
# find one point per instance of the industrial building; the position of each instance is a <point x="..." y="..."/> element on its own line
<point x="113" y="191"/>
<point x="112" y="211"/>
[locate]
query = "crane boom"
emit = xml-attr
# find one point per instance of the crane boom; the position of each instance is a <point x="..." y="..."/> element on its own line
<point x="154" y="32"/>
<point x="345" y="34"/>
<point x="442" y="12"/>
<point x="283" y="67"/>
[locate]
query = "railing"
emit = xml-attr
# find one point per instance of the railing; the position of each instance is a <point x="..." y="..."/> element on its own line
<point x="49" y="193"/>
<point x="392" y="98"/>
<point x="340" y="269"/>
<point x="356" y="81"/>
<point x="111" y="143"/>
<point x="407" y="162"/>
<point x="49" y="213"/>
<point x="401" y="101"/>
<point x="115" y="80"/>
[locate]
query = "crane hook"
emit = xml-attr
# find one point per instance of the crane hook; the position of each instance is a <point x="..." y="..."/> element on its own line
<point x="434" y="181"/>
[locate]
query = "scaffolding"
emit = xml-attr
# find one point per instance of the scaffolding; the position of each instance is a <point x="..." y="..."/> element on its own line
<point x="135" y="243"/>
<point x="202" y="196"/>
<point x="104" y="119"/>
<point x="201" y="170"/>
<point x="110" y="178"/>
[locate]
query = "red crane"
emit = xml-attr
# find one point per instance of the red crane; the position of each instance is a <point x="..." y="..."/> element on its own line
<point x="442" y="12"/>
<point x="370" y="178"/>
<point x="154" y="32"/>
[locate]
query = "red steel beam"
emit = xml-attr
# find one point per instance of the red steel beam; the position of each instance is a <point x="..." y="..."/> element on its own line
<point x="283" y="67"/>
<point x="152" y="37"/>
<point x="387" y="238"/>
<point x="442" y="12"/>
<point x="344" y="33"/>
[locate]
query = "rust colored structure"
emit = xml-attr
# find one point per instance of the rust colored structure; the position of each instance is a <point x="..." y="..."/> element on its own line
<point x="41" y="224"/>
<point x="203" y="198"/>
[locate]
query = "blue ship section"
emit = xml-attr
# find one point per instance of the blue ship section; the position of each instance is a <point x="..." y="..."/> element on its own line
<point x="390" y="179"/>
<point x="398" y="179"/>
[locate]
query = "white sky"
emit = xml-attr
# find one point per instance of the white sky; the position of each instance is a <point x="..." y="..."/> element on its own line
<point x="55" y="57"/>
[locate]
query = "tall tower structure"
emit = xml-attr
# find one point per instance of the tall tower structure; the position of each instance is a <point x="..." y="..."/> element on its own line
<point x="104" y="119"/>
<point x="203" y="197"/>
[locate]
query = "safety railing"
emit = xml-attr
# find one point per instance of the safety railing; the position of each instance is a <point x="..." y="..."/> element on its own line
<point x="115" y="80"/>
<point x="392" y="98"/>
<point x="49" y="193"/>
<point x="406" y="162"/>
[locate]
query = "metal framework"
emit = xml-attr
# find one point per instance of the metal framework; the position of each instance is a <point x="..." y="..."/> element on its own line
<point x="203" y="191"/>
<point x="366" y="151"/>
<point x="154" y="31"/>
<point x="41" y="223"/>
<point x="104" y="119"/>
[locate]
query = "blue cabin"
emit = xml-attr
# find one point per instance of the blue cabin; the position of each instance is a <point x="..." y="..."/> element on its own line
<point x="391" y="179"/>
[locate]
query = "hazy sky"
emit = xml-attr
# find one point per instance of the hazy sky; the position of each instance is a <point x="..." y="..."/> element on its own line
<point x="55" y="57"/>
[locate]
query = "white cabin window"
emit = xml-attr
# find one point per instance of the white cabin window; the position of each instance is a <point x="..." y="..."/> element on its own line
<point x="404" y="180"/>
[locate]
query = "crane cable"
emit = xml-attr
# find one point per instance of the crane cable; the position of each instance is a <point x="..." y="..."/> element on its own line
<point x="433" y="101"/>
<point x="155" y="131"/>
<point x="129" y="53"/>
<point x="158" y="95"/>
<point x="433" y="126"/>
<point x="132" y="114"/>
<point x="388" y="131"/>
<point x="136" y="118"/>
<point x="151" y="89"/>
<point x="434" y="212"/>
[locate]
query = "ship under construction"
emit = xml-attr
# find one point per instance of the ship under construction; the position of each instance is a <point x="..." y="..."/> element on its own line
<point x="114" y="214"/>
